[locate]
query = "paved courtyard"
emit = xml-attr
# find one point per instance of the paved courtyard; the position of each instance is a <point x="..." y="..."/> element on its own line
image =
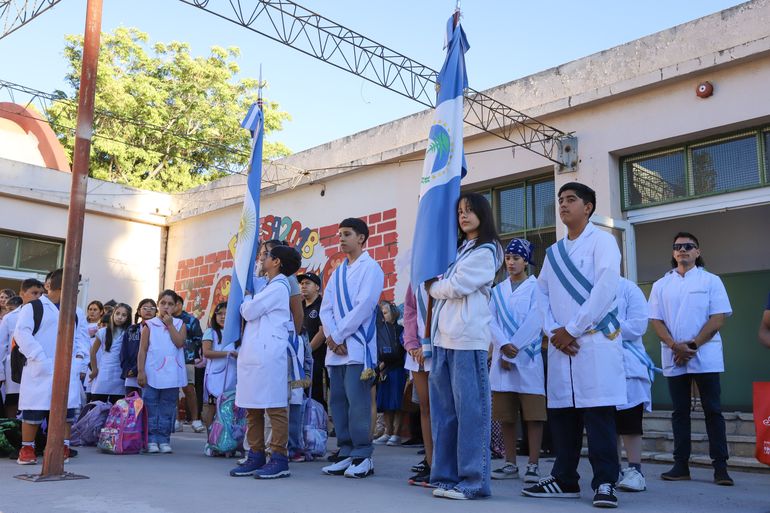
<point x="188" y="482"/>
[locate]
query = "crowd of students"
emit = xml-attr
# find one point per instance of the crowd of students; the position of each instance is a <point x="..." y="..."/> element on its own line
<point x="564" y="348"/>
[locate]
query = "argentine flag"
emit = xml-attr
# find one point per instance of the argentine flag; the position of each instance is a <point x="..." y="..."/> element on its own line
<point x="435" y="235"/>
<point x="248" y="240"/>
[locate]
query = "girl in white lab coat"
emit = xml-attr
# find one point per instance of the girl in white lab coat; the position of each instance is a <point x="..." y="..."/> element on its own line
<point x="220" y="362"/>
<point x="262" y="387"/>
<point x="106" y="381"/>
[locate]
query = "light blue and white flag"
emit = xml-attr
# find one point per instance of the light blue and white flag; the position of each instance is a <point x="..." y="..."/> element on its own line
<point x="248" y="234"/>
<point x="434" y="246"/>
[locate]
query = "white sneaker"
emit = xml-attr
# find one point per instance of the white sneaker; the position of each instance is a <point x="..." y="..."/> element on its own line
<point x="198" y="426"/>
<point x="633" y="481"/>
<point x="382" y="440"/>
<point x="362" y="470"/>
<point x="507" y="471"/>
<point x="394" y="441"/>
<point x="532" y="475"/>
<point x="337" y="469"/>
<point x="152" y="448"/>
<point x="454" y="494"/>
<point x="166" y="449"/>
<point x="177" y="426"/>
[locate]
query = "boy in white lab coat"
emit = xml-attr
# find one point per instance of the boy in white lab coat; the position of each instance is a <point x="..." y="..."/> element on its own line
<point x="688" y="306"/>
<point x="262" y="361"/>
<point x="348" y="319"/>
<point x="586" y="377"/>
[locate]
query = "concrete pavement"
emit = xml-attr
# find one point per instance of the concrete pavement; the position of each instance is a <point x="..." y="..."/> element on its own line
<point x="188" y="482"/>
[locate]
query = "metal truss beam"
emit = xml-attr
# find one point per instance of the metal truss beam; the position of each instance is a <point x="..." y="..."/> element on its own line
<point x="312" y="34"/>
<point x="14" y="14"/>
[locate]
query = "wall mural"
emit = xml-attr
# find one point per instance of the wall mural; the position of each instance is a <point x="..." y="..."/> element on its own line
<point x="204" y="280"/>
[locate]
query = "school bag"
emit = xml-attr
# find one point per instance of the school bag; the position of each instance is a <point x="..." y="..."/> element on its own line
<point x="10" y="439"/>
<point x="125" y="431"/>
<point x="18" y="360"/>
<point x="314" y="424"/>
<point x="389" y="348"/>
<point x="89" y="425"/>
<point x="228" y="429"/>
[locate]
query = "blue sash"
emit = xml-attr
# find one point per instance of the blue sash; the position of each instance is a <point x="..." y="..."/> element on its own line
<point x="643" y="357"/>
<point x="345" y="305"/>
<point x="509" y="324"/>
<point x="534" y="349"/>
<point x="572" y="280"/>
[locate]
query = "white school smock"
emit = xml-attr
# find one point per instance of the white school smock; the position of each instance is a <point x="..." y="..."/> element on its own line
<point x="220" y="373"/>
<point x="632" y="316"/>
<point x="527" y="375"/>
<point x="596" y="375"/>
<point x="262" y="358"/>
<point x="40" y="350"/>
<point x="7" y="326"/>
<point x="418" y="324"/>
<point x="684" y="304"/>
<point x="108" y="381"/>
<point x="164" y="364"/>
<point x="364" y="283"/>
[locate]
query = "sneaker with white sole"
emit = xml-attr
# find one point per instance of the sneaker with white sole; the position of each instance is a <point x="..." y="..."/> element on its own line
<point x="338" y="468"/>
<point x="360" y="469"/>
<point x="382" y="440"/>
<point x="507" y="471"/>
<point x="152" y="448"/>
<point x="177" y="426"/>
<point x="605" y="496"/>
<point x="439" y="492"/>
<point x="394" y="441"/>
<point x="455" y="494"/>
<point x="632" y="481"/>
<point x="165" y="448"/>
<point x="198" y="426"/>
<point x="532" y="475"/>
<point x="550" y="487"/>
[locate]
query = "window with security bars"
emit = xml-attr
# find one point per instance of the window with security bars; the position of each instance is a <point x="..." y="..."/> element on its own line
<point x="29" y="254"/>
<point x="714" y="166"/>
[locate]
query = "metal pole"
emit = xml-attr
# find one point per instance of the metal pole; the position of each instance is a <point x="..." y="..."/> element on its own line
<point x="53" y="463"/>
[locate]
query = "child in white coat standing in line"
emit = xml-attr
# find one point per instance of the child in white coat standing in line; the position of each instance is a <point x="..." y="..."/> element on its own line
<point x="262" y="362"/>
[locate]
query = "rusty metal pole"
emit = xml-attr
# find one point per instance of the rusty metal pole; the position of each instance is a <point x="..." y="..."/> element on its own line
<point x="53" y="464"/>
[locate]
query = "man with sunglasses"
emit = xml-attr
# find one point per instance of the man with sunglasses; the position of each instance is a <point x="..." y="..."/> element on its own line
<point x="688" y="307"/>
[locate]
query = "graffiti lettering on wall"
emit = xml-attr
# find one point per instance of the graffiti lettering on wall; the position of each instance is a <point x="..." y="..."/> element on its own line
<point x="204" y="280"/>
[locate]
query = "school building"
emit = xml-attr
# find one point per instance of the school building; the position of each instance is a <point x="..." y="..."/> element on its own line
<point x="662" y="159"/>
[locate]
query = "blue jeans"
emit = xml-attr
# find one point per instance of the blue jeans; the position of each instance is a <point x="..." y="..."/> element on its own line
<point x="710" y="392"/>
<point x="350" y="401"/>
<point x="296" y="443"/>
<point x="460" y="421"/>
<point x="161" y="413"/>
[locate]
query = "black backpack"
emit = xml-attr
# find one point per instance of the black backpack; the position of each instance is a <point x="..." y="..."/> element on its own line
<point x="18" y="360"/>
<point x="389" y="348"/>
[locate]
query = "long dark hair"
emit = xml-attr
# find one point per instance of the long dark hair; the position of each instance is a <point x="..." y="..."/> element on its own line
<point x="479" y="205"/>
<point x="137" y="315"/>
<point x="111" y="327"/>
<point x="213" y="322"/>
<point x="686" y="235"/>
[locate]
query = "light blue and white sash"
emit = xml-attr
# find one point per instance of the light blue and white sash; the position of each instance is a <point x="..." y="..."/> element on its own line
<point x="345" y="305"/>
<point x="422" y="310"/>
<point x="534" y="349"/>
<point x="510" y="326"/>
<point x="643" y="357"/>
<point x="579" y="287"/>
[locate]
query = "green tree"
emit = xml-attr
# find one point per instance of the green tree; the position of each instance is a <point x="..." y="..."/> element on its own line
<point x="165" y="120"/>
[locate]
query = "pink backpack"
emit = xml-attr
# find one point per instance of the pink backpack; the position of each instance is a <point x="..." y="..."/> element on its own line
<point x="125" y="431"/>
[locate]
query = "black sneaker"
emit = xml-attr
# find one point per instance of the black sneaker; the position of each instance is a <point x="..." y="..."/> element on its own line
<point x="419" y="467"/>
<point x="413" y="442"/>
<point x="722" y="478"/>
<point x="605" y="496"/>
<point x="678" y="472"/>
<point x="334" y="457"/>
<point x="422" y="478"/>
<point x="551" y="487"/>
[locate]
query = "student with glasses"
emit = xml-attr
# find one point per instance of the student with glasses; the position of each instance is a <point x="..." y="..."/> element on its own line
<point x="688" y="307"/>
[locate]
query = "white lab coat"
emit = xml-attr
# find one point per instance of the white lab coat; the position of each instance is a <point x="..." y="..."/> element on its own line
<point x="684" y="304"/>
<point x="632" y="315"/>
<point x="365" y="281"/>
<point x="108" y="381"/>
<point x="262" y="358"/>
<point x="164" y="364"/>
<point x="220" y="372"/>
<point x="40" y="350"/>
<point x="527" y="375"/>
<point x="7" y="326"/>
<point x="596" y="375"/>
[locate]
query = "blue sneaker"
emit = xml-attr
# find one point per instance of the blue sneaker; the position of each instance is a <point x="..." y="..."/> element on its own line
<point x="278" y="466"/>
<point x="254" y="461"/>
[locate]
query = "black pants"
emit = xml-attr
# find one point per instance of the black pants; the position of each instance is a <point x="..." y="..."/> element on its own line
<point x="112" y="398"/>
<point x="710" y="391"/>
<point x="200" y="374"/>
<point x="317" y="388"/>
<point x="567" y="434"/>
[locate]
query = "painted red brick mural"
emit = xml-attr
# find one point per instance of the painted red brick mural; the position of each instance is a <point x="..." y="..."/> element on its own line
<point x="204" y="281"/>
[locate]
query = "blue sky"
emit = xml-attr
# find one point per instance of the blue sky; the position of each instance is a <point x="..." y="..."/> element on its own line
<point x="509" y="39"/>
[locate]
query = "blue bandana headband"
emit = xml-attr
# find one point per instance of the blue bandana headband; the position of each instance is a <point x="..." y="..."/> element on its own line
<point x="521" y="247"/>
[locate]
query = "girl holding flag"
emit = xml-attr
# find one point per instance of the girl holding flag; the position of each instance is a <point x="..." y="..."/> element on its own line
<point x="516" y="375"/>
<point x="459" y="379"/>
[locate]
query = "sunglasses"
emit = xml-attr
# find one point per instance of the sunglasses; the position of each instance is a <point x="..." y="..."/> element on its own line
<point x="687" y="246"/>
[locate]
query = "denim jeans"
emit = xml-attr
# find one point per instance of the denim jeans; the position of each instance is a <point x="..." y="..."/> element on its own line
<point x="710" y="392"/>
<point x="350" y="401"/>
<point x="296" y="443"/>
<point x="161" y="413"/>
<point x="567" y="435"/>
<point x="460" y="421"/>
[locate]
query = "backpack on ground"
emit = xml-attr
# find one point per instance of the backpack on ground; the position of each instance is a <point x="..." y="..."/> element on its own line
<point x="10" y="439"/>
<point x="314" y="424"/>
<point x="87" y="429"/>
<point x="125" y="431"/>
<point x="228" y="428"/>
